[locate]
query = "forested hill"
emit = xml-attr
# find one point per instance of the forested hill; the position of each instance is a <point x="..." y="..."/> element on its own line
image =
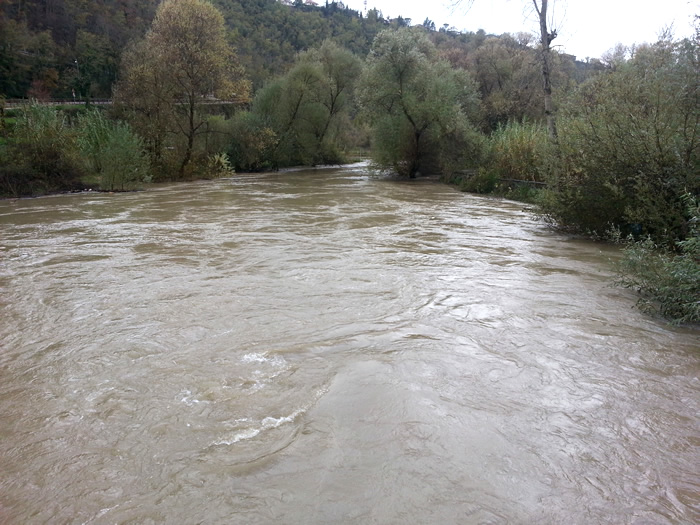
<point x="49" y="48"/>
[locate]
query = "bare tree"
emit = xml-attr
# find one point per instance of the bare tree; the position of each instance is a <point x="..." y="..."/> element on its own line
<point x="546" y="38"/>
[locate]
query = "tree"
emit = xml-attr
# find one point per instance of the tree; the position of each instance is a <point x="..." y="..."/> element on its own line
<point x="183" y="63"/>
<point x="146" y="98"/>
<point x="508" y="79"/>
<point x="415" y="102"/>
<point x="546" y="38"/>
<point x="307" y="108"/>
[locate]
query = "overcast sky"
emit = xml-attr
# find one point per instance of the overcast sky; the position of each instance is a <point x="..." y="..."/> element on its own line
<point x="587" y="28"/>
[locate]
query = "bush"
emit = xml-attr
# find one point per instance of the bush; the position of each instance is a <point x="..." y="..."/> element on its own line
<point x="519" y="151"/>
<point x="218" y="165"/>
<point x="41" y="157"/>
<point x="629" y="147"/>
<point x="253" y="144"/>
<point x="484" y="181"/>
<point x="113" y="152"/>
<point x="668" y="282"/>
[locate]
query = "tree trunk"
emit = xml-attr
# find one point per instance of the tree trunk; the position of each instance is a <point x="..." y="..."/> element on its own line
<point x="546" y="39"/>
<point x="191" y="131"/>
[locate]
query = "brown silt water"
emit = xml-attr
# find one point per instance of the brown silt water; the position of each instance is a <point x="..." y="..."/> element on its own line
<point x="329" y="346"/>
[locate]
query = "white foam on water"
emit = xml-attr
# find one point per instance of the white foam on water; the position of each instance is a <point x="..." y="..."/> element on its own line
<point x="267" y="423"/>
<point x="257" y="357"/>
<point x="189" y="399"/>
<point x="239" y="436"/>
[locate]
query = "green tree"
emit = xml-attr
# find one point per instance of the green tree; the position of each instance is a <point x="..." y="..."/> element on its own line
<point x="541" y="7"/>
<point x="509" y="81"/>
<point x="307" y="109"/>
<point x="415" y="102"/>
<point x="184" y="62"/>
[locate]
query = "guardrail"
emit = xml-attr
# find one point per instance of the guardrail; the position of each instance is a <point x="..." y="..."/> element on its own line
<point x="19" y="102"/>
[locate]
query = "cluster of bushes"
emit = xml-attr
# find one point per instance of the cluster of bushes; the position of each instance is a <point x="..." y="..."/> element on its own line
<point x="48" y="152"/>
<point x="513" y="162"/>
<point x="625" y="164"/>
<point x="668" y="282"/>
<point x="630" y="146"/>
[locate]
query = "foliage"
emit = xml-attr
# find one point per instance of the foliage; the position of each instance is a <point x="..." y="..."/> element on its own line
<point x="112" y="151"/>
<point x="415" y="102"/>
<point x="519" y="151"/>
<point x="42" y="156"/>
<point x="483" y="181"/>
<point x="219" y="165"/>
<point x="49" y="48"/>
<point x="253" y="143"/>
<point x="184" y="62"/>
<point x="508" y="76"/>
<point x="629" y="146"/>
<point x="302" y="117"/>
<point x="270" y="35"/>
<point x="668" y="283"/>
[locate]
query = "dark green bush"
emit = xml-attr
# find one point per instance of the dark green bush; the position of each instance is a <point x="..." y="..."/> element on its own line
<point x="253" y="143"/>
<point x="484" y="181"/>
<point x="41" y="157"/>
<point x="630" y="139"/>
<point x="668" y="282"/>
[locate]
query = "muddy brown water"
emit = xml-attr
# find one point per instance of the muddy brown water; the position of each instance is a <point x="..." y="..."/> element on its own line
<point x="328" y="346"/>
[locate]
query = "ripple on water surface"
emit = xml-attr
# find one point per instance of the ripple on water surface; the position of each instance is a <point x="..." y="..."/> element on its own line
<point x="330" y="346"/>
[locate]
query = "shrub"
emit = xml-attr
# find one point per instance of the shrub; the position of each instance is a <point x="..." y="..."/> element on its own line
<point x="113" y="152"/>
<point x="253" y="143"/>
<point x="629" y="147"/>
<point x="218" y="165"/>
<point x="41" y="157"/>
<point x="519" y="151"/>
<point x="484" y="181"/>
<point x="668" y="282"/>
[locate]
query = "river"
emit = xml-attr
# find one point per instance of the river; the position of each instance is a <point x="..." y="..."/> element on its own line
<point x="330" y="346"/>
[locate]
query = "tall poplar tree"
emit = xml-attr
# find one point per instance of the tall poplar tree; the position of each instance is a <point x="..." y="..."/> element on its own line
<point x="416" y="103"/>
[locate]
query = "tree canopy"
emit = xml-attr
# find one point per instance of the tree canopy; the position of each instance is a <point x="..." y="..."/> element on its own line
<point x="414" y="101"/>
<point x="184" y="61"/>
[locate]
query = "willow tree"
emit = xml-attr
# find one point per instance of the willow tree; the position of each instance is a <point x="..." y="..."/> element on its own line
<point x="416" y="103"/>
<point x="308" y="108"/>
<point x="184" y="63"/>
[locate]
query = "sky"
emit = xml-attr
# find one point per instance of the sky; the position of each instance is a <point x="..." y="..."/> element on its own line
<point x="587" y="28"/>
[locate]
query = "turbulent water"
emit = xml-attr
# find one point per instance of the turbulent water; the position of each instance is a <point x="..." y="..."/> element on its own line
<point x="330" y="346"/>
